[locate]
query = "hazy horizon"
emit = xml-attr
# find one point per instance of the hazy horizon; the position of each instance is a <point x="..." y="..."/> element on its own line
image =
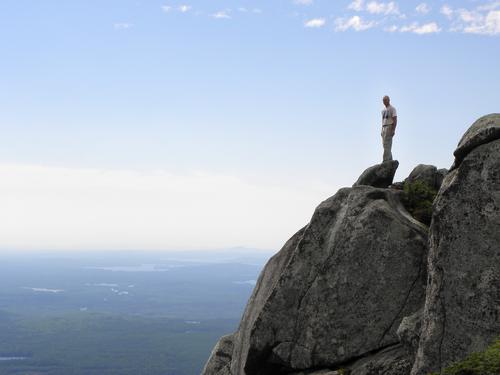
<point x="236" y="250"/>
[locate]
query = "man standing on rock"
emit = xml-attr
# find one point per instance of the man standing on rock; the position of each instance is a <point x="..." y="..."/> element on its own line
<point x="389" y="122"/>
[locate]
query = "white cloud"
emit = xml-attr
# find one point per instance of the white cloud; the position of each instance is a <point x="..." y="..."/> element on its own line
<point x="356" y="5"/>
<point x="246" y="10"/>
<point x="315" y="23"/>
<point x="356" y="23"/>
<point x="423" y="8"/>
<point x="122" y="25"/>
<point x="56" y="208"/>
<point x="222" y="14"/>
<point x="166" y="8"/>
<point x="303" y="2"/>
<point x="374" y="7"/>
<point x="447" y="11"/>
<point x="185" y="8"/>
<point x="483" y="20"/>
<point x="490" y="6"/>
<point x="391" y="29"/>
<point x="382" y="8"/>
<point x="468" y="16"/>
<point x="428" y="28"/>
<point x="486" y="25"/>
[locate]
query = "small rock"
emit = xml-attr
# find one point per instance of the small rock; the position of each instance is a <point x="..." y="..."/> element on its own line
<point x="427" y="174"/>
<point x="379" y="175"/>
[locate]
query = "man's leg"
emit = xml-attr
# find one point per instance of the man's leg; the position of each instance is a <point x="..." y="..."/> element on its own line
<point x="387" y="143"/>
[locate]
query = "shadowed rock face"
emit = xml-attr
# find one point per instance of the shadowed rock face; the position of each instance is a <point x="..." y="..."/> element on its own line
<point x="462" y="309"/>
<point x="392" y="360"/>
<point x="338" y="289"/>
<point x="380" y="175"/>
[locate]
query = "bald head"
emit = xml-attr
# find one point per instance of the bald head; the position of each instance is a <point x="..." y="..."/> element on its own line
<point x="386" y="100"/>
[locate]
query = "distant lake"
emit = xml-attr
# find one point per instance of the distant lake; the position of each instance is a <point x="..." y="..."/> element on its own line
<point x="248" y="282"/>
<point x="43" y="290"/>
<point x="12" y="358"/>
<point x="141" y="268"/>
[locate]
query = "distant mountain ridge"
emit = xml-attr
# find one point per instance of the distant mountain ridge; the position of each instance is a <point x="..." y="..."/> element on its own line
<point x="367" y="289"/>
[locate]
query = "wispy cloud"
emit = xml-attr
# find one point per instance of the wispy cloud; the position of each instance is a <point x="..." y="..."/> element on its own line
<point x="303" y="2"/>
<point x="483" y="20"/>
<point x="185" y="8"/>
<point x="355" y="23"/>
<point x="489" y="6"/>
<point x="488" y="24"/>
<point x="428" y="28"/>
<point x="423" y="8"/>
<point x="247" y="10"/>
<point x="122" y="25"/>
<point x="315" y="23"/>
<point x="356" y="5"/>
<point x="222" y="14"/>
<point x="447" y="11"/>
<point x="374" y="7"/>
<point x="391" y="29"/>
<point x="386" y="16"/>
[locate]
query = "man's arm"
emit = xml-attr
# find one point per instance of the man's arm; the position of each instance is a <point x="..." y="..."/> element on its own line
<point x="394" y="123"/>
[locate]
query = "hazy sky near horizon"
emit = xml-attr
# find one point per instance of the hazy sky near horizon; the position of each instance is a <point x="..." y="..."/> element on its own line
<point x="129" y="124"/>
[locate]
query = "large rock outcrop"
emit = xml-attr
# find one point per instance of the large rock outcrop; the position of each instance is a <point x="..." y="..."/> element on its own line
<point x="363" y="290"/>
<point x="462" y="308"/>
<point x="337" y="291"/>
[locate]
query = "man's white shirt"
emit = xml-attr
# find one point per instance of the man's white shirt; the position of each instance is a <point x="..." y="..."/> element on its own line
<point x="387" y="114"/>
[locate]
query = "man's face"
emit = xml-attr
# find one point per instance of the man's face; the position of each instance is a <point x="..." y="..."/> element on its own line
<point x="386" y="100"/>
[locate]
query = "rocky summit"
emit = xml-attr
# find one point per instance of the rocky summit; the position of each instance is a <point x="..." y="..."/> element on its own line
<point x="366" y="289"/>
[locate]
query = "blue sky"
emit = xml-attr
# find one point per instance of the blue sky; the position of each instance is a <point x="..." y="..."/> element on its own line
<point x="248" y="113"/>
